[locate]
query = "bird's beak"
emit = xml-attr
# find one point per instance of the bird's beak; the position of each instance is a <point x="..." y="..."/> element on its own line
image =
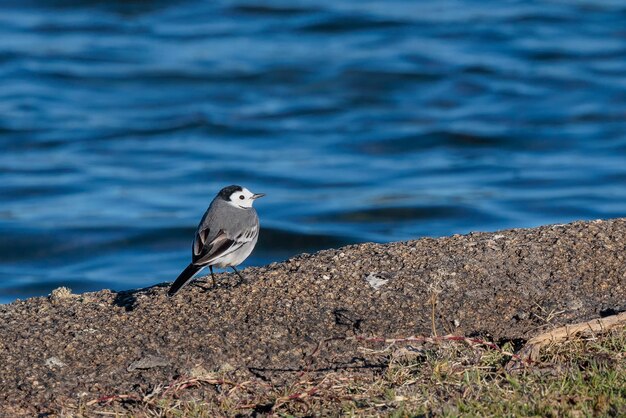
<point x="257" y="195"/>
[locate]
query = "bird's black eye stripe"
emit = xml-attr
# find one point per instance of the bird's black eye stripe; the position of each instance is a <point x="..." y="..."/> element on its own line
<point x="241" y="197"/>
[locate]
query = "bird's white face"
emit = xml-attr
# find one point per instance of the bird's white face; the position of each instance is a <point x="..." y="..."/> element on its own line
<point x="243" y="199"/>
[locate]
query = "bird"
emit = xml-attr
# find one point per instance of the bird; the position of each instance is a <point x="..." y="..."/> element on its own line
<point x="226" y="235"/>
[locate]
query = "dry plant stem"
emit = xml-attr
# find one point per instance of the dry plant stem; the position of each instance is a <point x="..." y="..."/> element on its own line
<point x="390" y="342"/>
<point x="113" y="398"/>
<point x="433" y="301"/>
<point x="531" y="350"/>
<point x="299" y="397"/>
<point x="307" y="393"/>
<point x="309" y="389"/>
<point x="433" y="340"/>
<point x="173" y="388"/>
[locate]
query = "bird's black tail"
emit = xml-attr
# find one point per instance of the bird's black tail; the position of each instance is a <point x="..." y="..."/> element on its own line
<point x="183" y="278"/>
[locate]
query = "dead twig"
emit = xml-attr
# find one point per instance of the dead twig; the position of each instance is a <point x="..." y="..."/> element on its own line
<point x="171" y="389"/>
<point x="433" y="309"/>
<point x="391" y="342"/>
<point x="434" y="340"/>
<point x="531" y="350"/>
<point x="114" y="398"/>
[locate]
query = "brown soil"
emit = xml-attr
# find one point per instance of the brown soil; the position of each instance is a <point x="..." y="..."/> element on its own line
<point x="509" y="285"/>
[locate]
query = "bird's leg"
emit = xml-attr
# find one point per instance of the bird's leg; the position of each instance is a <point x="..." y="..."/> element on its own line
<point x="238" y="274"/>
<point x="212" y="276"/>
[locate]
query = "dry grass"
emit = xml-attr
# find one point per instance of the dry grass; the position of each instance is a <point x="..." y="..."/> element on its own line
<point x="585" y="376"/>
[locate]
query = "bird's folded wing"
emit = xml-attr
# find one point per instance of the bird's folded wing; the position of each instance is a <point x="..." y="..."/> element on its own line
<point x="205" y="253"/>
<point x="199" y="242"/>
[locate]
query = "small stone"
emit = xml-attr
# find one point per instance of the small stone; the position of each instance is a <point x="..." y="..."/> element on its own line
<point x="60" y="293"/>
<point x="375" y="282"/>
<point x="54" y="362"/>
<point x="575" y="304"/>
<point x="226" y="367"/>
<point x="198" y="372"/>
<point x="521" y="315"/>
<point x="326" y="277"/>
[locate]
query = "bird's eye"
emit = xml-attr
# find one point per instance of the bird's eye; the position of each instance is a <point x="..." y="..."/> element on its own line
<point x="241" y="197"/>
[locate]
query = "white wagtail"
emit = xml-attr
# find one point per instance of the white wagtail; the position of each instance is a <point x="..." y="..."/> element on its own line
<point x="226" y="234"/>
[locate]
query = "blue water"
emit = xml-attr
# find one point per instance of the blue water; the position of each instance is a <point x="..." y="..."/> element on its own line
<point x="361" y="121"/>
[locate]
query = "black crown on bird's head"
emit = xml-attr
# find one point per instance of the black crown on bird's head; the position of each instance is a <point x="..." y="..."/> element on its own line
<point x="229" y="190"/>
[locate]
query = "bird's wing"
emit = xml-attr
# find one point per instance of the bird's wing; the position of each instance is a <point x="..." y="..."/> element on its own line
<point x="205" y="253"/>
<point x="200" y="241"/>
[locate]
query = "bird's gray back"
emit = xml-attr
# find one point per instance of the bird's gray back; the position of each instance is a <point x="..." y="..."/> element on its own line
<point x="223" y="216"/>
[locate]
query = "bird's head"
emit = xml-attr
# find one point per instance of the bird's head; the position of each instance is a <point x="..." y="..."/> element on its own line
<point x="238" y="196"/>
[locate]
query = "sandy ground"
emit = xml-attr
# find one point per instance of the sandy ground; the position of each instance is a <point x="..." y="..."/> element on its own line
<point x="509" y="285"/>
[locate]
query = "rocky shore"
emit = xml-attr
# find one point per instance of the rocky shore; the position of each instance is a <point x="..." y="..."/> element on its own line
<point x="505" y="286"/>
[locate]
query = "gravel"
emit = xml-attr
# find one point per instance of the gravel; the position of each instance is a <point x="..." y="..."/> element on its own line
<point x="509" y="285"/>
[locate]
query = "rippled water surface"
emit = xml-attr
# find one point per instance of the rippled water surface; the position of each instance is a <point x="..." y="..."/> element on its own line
<point x="361" y="120"/>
